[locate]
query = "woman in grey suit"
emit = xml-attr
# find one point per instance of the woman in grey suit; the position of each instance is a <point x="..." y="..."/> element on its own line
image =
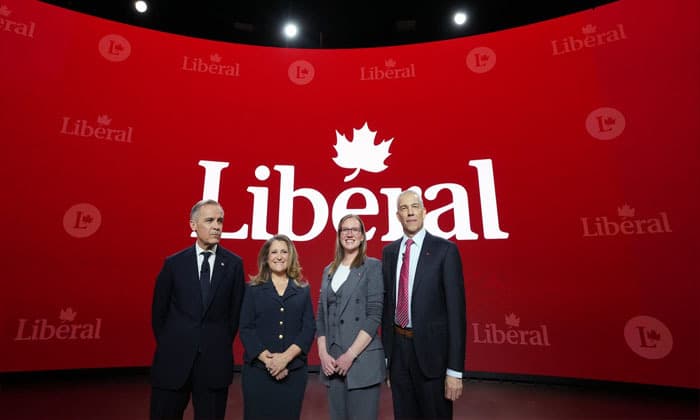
<point x="349" y="314"/>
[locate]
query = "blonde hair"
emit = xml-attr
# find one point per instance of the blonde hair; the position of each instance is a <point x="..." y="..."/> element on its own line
<point x="293" y="267"/>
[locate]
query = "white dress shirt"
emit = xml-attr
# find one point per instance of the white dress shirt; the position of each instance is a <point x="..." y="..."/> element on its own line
<point x="200" y="259"/>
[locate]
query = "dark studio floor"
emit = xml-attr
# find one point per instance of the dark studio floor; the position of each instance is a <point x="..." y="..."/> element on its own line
<point x="123" y="394"/>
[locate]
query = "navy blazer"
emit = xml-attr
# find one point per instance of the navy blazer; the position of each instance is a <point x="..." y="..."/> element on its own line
<point x="273" y="322"/>
<point x="184" y="326"/>
<point x="438" y="306"/>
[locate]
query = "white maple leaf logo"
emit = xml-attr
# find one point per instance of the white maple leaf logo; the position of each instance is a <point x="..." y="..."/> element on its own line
<point x="361" y="152"/>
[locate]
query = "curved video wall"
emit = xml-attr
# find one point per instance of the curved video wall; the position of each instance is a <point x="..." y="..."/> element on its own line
<point x="559" y="156"/>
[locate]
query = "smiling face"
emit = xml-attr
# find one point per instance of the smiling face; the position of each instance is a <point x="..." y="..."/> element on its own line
<point x="208" y="225"/>
<point x="278" y="257"/>
<point x="350" y="235"/>
<point x="410" y="213"/>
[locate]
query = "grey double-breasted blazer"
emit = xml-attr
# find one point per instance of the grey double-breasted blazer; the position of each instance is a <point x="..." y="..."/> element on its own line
<point x="360" y="308"/>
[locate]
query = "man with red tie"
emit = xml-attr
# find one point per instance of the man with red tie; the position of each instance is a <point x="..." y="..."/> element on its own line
<point x="424" y="321"/>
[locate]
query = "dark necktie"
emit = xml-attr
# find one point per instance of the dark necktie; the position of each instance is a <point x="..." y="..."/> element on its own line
<point x="205" y="276"/>
<point x="402" y="301"/>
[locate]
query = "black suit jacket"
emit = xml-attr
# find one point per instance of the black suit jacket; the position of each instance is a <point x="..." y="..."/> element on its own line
<point x="273" y="322"/>
<point x="438" y="306"/>
<point x="184" y="326"/>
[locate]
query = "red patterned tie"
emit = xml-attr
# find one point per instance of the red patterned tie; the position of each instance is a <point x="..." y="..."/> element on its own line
<point x="402" y="302"/>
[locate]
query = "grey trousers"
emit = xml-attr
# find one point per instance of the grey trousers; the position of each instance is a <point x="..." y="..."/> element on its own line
<point x="352" y="404"/>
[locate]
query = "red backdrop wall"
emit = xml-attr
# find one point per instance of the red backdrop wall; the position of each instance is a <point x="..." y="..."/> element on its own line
<point x="559" y="156"/>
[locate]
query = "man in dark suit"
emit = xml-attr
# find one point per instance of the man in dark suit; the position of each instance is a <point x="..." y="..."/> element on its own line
<point x="196" y="308"/>
<point x="424" y="321"/>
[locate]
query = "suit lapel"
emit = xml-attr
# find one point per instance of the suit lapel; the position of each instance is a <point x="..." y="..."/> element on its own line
<point x="291" y="290"/>
<point x="424" y="261"/>
<point x="191" y="257"/>
<point x="393" y="264"/>
<point x="325" y="285"/>
<point x="270" y="289"/>
<point x="351" y="284"/>
<point x="217" y="274"/>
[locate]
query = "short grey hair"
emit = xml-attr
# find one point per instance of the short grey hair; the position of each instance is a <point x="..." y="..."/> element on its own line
<point x="194" y="213"/>
<point x="409" y="191"/>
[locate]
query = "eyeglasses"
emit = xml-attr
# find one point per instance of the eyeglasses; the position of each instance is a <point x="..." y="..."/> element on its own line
<point x="352" y="230"/>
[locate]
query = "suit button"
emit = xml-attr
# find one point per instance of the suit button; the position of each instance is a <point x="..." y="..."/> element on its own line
<point x="281" y="322"/>
<point x="357" y="318"/>
<point x="281" y="309"/>
<point x="281" y="336"/>
<point x="342" y="322"/>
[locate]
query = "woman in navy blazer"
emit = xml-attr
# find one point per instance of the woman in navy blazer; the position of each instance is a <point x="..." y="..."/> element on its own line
<point x="277" y="329"/>
<point x="349" y="314"/>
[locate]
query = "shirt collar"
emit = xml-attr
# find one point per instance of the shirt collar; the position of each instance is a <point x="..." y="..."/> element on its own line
<point x="200" y="249"/>
<point x="417" y="239"/>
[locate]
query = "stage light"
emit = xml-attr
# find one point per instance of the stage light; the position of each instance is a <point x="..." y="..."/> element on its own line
<point x="141" y="6"/>
<point x="460" y="18"/>
<point x="290" y="30"/>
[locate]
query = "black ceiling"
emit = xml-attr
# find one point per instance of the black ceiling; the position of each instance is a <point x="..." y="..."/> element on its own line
<point x="329" y="24"/>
